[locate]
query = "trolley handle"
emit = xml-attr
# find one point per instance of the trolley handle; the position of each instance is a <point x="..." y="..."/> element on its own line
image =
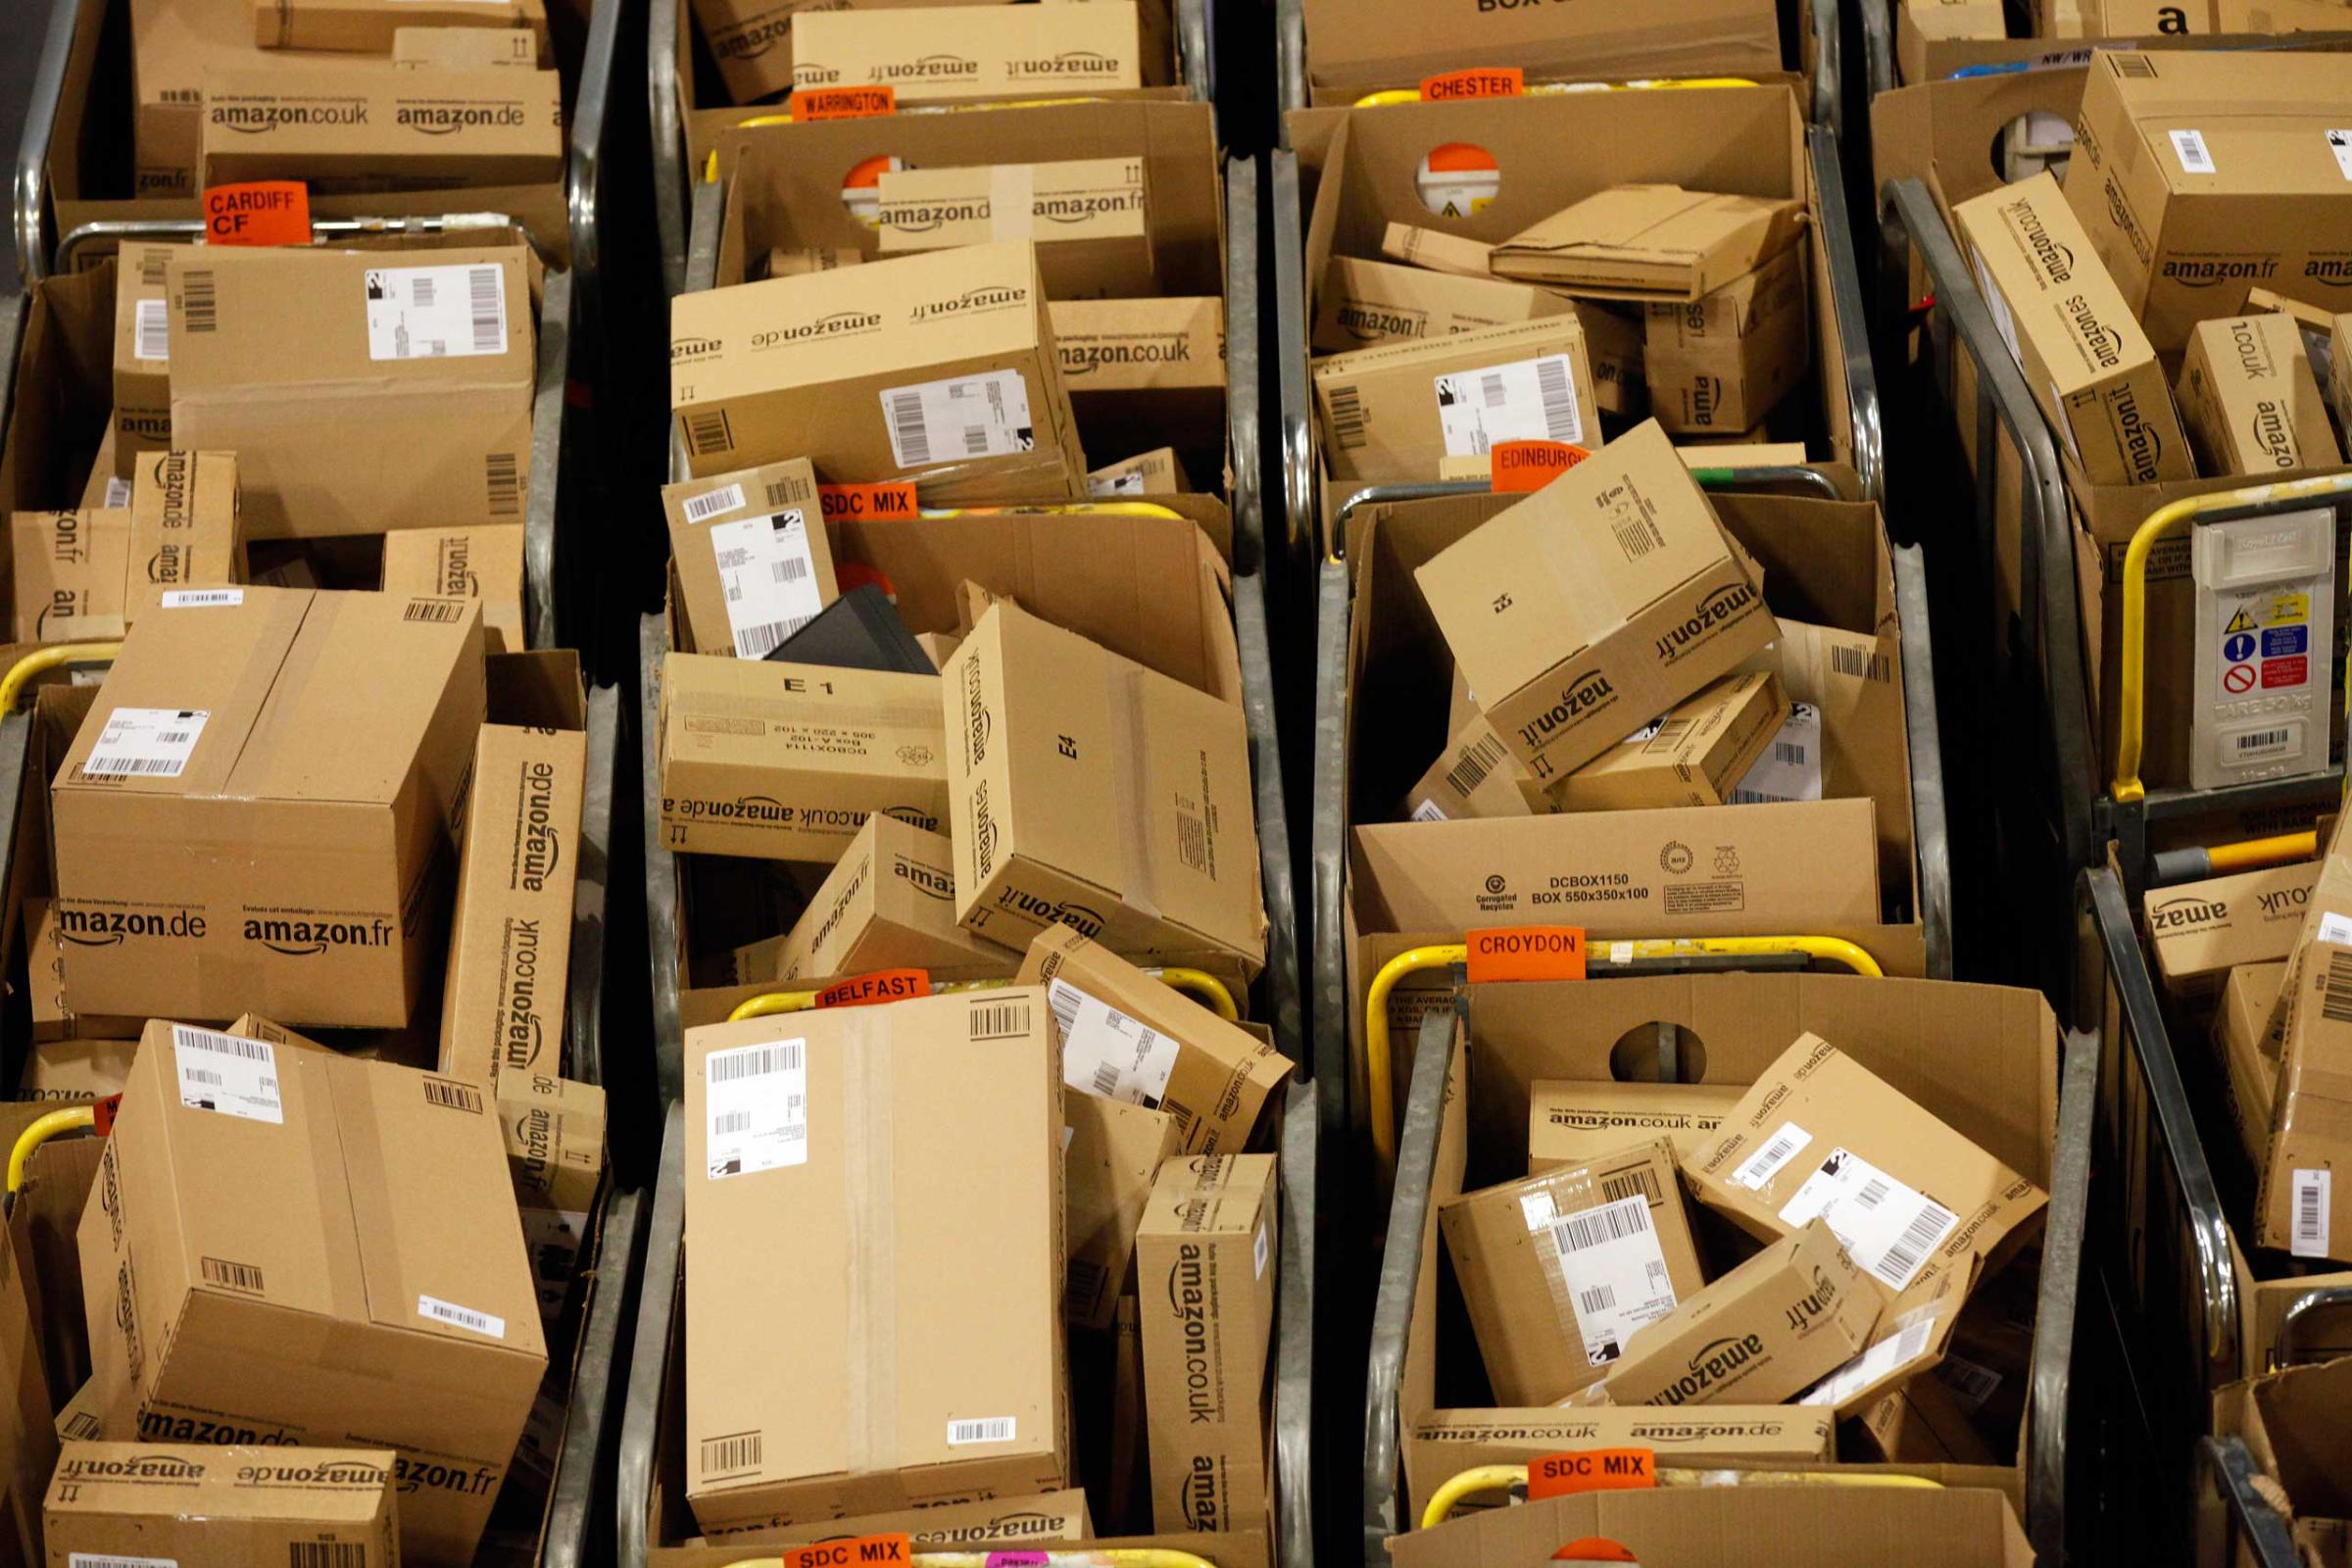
<point x="2231" y="1513"/>
<point x="2288" y="1348"/>
<point x="323" y="231"/>
<point x="1202" y="986"/>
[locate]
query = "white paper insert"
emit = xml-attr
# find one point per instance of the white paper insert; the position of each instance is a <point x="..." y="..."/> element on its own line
<point x="425" y="313"/>
<point x="1615" y="1273"/>
<point x="2189" y="147"/>
<point x="1887" y="1227"/>
<point x="1781" y="1148"/>
<point x="757" y="1102"/>
<point x="145" y="743"/>
<point x="2313" y="1198"/>
<point x="1789" y="769"/>
<point x="770" y="579"/>
<point x="1123" y="484"/>
<point x="1526" y="400"/>
<point x="958" y="420"/>
<point x="229" y="1074"/>
<point x="1105" y="1053"/>
<point x="150" y="336"/>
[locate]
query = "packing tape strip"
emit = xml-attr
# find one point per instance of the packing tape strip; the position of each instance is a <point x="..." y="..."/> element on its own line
<point x="1013" y="202"/>
<point x="868" y="1159"/>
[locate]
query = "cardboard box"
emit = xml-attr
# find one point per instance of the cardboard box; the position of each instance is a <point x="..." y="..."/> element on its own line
<point x="1164" y="860"/>
<point x="1804" y="865"/>
<point x="1794" y="1312"/>
<point x="1127" y="1035"/>
<point x="184" y="529"/>
<point x="1602" y="599"/>
<point x="76" y="1070"/>
<point x="2091" y="368"/>
<point x="2251" y="402"/>
<point x="46" y="985"/>
<point x="938" y="367"/>
<point x="1694" y="754"/>
<point x="1821" y="1136"/>
<point x="1393" y="414"/>
<point x="889" y="902"/>
<point x="1359" y="45"/>
<point x="142" y="419"/>
<point x="371" y="27"/>
<point x="104" y="487"/>
<point x="751" y="40"/>
<point x="1922" y="24"/>
<point x="431" y="354"/>
<point x="138" y="1502"/>
<point x="2249" y="1056"/>
<point x="832" y="1145"/>
<point x="928" y="54"/>
<point x="1569" y="1122"/>
<point x="484" y="564"/>
<point x="795" y="261"/>
<point x="1436" y="250"/>
<point x="1475" y="775"/>
<point x="360" y="128"/>
<point x="1139" y="345"/>
<point x="172" y="45"/>
<point x="1113" y="1153"/>
<point x="1729" y="1436"/>
<point x="1650" y="242"/>
<point x="2201" y="931"/>
<point x="1088" y="216"/>
<point x="1364" y="304"/>
<point x="510" y="945"/>
<point x="555" y="1138"/>
<point x="786" y="762"/>
<point x="209" y="863"/>
<point x="2200" y="175"/>
<point x="2339" y="371"/>
<point x="252" y="1270"/>
<point x="71" y="574"/>
<point x="1725" y="359"/>
<point x="753" y="561"/>
<point x="1155" y="472"/>
<point x="1204" y="1259"/>
<point x="999" y="1523"/>
<point x="465" y="48"/>
<point x="1562" y="1270"/>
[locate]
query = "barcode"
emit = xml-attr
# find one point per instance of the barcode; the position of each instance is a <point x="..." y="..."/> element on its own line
<point x="975" y="441"/>
<point x="453" y="1097"/>
<point x="443" y="611"/>
<point x="487" y="297"/>
<point x="1574" y="1232"/>
<point x="2311" y="1213"/>
<point x="2335" y="1004"/>
<point x="203" y="1075"/>
<point x="1789" y="752"/>
<point x="463" y="1317"/>
<point x="111" y="767"/>
<point x="1861" y="662"/>
<point x="1106" y="1079"/>
<point x="199" y="303"/>
<point x="1767" y="1161"/>
<point x="1873" y="1193"/>
<point x="1064" y="1000"/>
<point x="503" y="475"/>
<point x="1670" y="734"/>
<point x="1754" y="798"/>
<point x="2134" y="64"/>
<point x="224" y="1044"/>
<point x="2190" y="146"/>
<point x="1492" y="386"/>
<point x="733" y="1122"/>
<point x="713" y="502"/>
<point x="709" y="431"/>
<point x="152" y="266"/>
<point x="792" y="568"/>
<point x="995" y="1428"/>
<point x="82" y="1426"/>
<point x="1896" y="1265"/>
<point x="91" y="1559"/>
<point x="1642" y="1183"/>
<point x="1598" y="1299"/>
<point x="787" y="492"/>
<point x="1560" y="420"/>
<point x="2262" y="740"/>
<point x="326" y="1554"/>
<point x="236" y="1276"/>
<point x="725" y="1455"/>
<point x="1477" y="759"/>
<point x="907" y="429"/>
<point x="999" y="1020"/>
<point x="756" y="1062"/>
<point x="1347" y="418"/>
<point x="422" y="292"/>
<point x="762" y="638"/>
<point x="151" y="333"/>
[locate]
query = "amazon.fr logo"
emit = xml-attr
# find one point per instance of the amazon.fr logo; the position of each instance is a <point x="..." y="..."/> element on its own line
<point x="307" y="939"/>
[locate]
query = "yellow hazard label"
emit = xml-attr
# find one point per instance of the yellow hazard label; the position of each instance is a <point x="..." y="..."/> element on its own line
<point x="2287" y="608"/>
<point x="2241" y="622"/>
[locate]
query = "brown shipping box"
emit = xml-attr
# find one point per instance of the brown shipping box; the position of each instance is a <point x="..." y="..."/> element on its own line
<point x="1725" y="359"/>
<point x="1769" y="1328"/>
<point x="1821" y="1136"/>
<point x="1205" y="1267"/>
<point x="832" y="1145"/>
<point x="408" y="405"/>
<point x="1090" y="218"/>
<point x="144" y="1503"/>
<point x="76" y="1069"/>
<point x="104" y="487"/>
<point x="371" y="27"/>
<point x="1126" y="1034"/>
<point x="484" y="564"/>
<point x="142" y="353"/>
<point x="1650" y="242"/>
<point x="2201" y="931"/>
<point x="786" y="762"/>
<point x="1569" y="1122"/>
<point x="751" y="40"/>
<point x="465" y="48"/>
<point x="71" y="574"/>
<point x="1113" y="1153"/>
<point x="1364" y="304"/>
<point x="365" y="127"/>
<point x="2202" y="175"/>
<point x="1598" y="602"/>
<point x="1436" y="251"/>
<point x="2311" y="1117"/>
<point x="753" y="559"/>
<point x="184" y="529"/>
<point x="1562" y="1270"/>
<point x="1475" y="775"/>
<point x="510" y="945"/>
<point x="2241" y="1023"/>
<point x="1694" y="754"/>
<point x="1088" y="791"/>
<point x="252" y="1269"/>
<point x="1139" y="345"/>
<point x="1360" y="45"/>
<point x="932" y="53"/>
<point x="2252" y="404"/>
<point x="257" y="813"/>
<point x="555" y="1136"/>
<point x="1730" y="1436"/>
<point x="999" y="1523"/>
<point x="173" y="44"/>
<point x="939" y="367"/>
<point x="889" y="902"/>
<point x="2089" y="365"/>
<point x="1155" y="472"/>
<point x="1393" y="414"/>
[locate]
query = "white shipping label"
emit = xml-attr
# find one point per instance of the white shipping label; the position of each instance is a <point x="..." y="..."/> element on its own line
<point x="145" y="743"/>
<point x="426" y="313"/>
<point x="710" y="502"/>
<point x="1891" y="1353"/>
<point x="118" y="490"/>
<point x="107" y="1559"/>
<point x="2312" y="1202"/>
<point x="1259" y="1251"/>
<point x="1527" y="399"/>
<point x="2335" y="928"/>
<point x="2189" y="147"/>
<point x="1105" y="1053"/>
<point x="1615" y="1274"/>
<point x="229" y="1074"/>
<point x="1887" y="1228"/>
<point x="1121" y="484"/>
<point x="150" y="337"/>
<point x="993" y="1429"/>
<point x="757" y="1102"/>
<point x="200" y="597"/>
<point x="769" y="579"/>
<point x="962" y="420"/>
<point x="1789" y="769"/>
<point x="2340" y="142"/>
<point x="487" y="1324"/>
<point x="1428" y="811"/>
<point x="1781" y="1148"/>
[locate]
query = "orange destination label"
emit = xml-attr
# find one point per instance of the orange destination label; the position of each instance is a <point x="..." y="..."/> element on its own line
<point x="844" y="103"/>
<point x="1526" y="953"/>
<point x="883" y="985"/>
<point x="1556" y="1475"/>
<point x="1521" y="466"/>
<point x="855" y="503"/>
<point x="1493" y="82"/>
<point x="261" y="212"/>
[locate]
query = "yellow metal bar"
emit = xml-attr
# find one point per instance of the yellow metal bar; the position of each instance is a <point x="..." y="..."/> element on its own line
<point x="1828" y="950"/>
<point x="2160" y="524"/>
<point x="1089" y="508"/>
<point x="1547" y="89"/>
<point x="1503" y="1477"/>
<point x="41" y="661"/>
<point x="55" y="1124"/>
<point x="1202" y="986"/>
<point x="2252" y="854"/>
